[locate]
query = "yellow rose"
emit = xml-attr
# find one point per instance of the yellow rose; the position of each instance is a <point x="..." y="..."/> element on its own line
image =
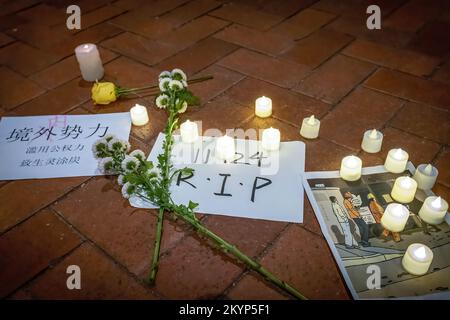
<point x="104" y="92"/>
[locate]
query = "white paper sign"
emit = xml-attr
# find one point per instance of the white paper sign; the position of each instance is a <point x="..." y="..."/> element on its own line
<point x="256" y="184"/>
<point x="55" y="145"/>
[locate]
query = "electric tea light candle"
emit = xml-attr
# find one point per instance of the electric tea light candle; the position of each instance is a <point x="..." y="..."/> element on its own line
<point x="404" y="189"/>
<point x="372" y="141"/>
<point x="417" y="259"/>
<point x="263" y="107"/>
<point x="225" y="148"/>
<point x="310" y="128"/>
<point x="139" y="115"/>
<point x="395" y="217"/>
<point x="433" y="210"/>
<point x="271" y="139"/>
<point x="351" y="168"/>
<point x="425" y="176"/>
<point x="189" y="132"/>
<point x="91" y="66"/>
<point x="396" y="160"/>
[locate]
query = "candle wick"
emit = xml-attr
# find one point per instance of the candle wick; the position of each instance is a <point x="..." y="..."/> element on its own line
<point x="398" y="154"/>
<point x="428" y="170"/>
<point x="311" y="120"/>
<point x="420" y="252"/>
<point x="437" y="203"/>
<point x="373" y="134"/>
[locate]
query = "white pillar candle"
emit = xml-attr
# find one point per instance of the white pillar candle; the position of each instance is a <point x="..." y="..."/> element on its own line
<point x="263" y="107"/>
<point x="139" y="115"/>
<point x="433" y="210"/>
<point x="372" y="141"/>
<point x="189" y="131"/>
<point x="404" y="189"/>
<point x="351" y="168"/>
<point x="395" y="217"/>
<point x="396" y="160"/>
<point x="310" y="127"/>
<point x="225" y="148"/>
<point x="91" y="66"/>
<point x="425" y="176"/>
<point x="271" y="139"/>
<point x="417" y="259"/>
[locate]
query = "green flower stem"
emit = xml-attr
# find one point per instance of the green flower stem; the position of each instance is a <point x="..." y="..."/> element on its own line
<point x="229" y="248"/>
<point x="157" y="247"/>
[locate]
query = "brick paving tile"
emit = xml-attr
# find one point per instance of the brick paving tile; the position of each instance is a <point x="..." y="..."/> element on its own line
<point x="155" y="8"/>
<point x="139" y="48"/>
<point x="251" y="236"/>
<point x="124" y="232"/>
<point x="316" y="276"/>
<point x="57" y="101"/>
<point x="309" y="218"/>
<point x="324" y="155"/>
<point x="45" y="14"/>
<point x="25" y="59"/>
<point x="419" y="149"/>
<point x="318" y="47"/>
<point x="130" y="74"/>
<point x="265" y="42"/>
<point x="304" y="23"/>
<point x="194" y="31"/>
<point x="190" y="11"/>
<point x="11" y="21"/>
<point x="195" y="270"/>
<point x="136" y="22"/>
<point x="223" y="80"/>
<point x="443" y="73"/>
<point x="16" y="89"/>
<point x="331" y="81"/>
<point x="199" y="56"/>
<point x="99" y="15"/>
<point x="4" y="39"/>
<point x="403" y="60"/>
<point x="425" y="121"/>
<point x="359" y="102"/>
<point x="287" y="9"/>
<point x="433" y="39"/>
<point x="281" y="72"/>
<point x="31" y="247"/>
<point x="287" y="105"/>
<point x="66" y="70"/>
<point x="38" y="35"/>
<point x="356" y="26"/>
<point x="250" y="289"/>
<point x="14" y="6"/>
<point x="411" y="88"/>
<point x="101" y="279"/>
<point x="442" y="162"/>
<point x="442" y="191"/>
<point x="356" y="8"/>
<point x="37" y="193"/>
<point x="247" y="16"/>
<point x="413" y="15"/>
<point x="288" y="132"/>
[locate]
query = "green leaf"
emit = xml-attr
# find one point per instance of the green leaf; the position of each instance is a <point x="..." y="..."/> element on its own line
<point x="192" y="205"/>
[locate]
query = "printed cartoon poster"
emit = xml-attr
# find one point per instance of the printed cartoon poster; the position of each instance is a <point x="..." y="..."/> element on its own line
<point x="349" y="214"/>
<point x="55" y="145"/>
<point x="256" y="183"/>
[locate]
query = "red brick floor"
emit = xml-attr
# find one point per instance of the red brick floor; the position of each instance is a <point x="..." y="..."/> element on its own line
<point x="309" y="56"/>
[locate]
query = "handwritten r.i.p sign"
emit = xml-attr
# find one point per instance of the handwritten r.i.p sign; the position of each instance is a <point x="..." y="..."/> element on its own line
<point x="255" y="184"/>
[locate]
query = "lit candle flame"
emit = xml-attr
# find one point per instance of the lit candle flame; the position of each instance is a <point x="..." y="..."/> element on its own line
<point x="428" y="170"/>
<point x="311" y="120"/>
<point x="352" y="162"/>
<point x="373" y="134"/>
<point x="420" y="252"/>
<point x="398" y="154"/>
<point x="406" y="183"/>
<point x="86" y="46"/>
<point x="437" y="203"/>
<point x="397" y="211"/>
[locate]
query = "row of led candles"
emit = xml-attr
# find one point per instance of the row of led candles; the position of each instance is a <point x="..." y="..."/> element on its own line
<point x="418" y="257"/>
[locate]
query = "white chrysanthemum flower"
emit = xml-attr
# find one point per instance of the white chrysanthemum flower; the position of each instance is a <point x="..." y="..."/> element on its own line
<point x="162" y="101"/>
<point x="178" y="74"/>
<point x="183" y="107"/>
<point x="165" y="74"/>
<point x="164" y="84"/>
<point x="106" y="164"/>
<point x="175" y="85"/>
<point x="138" y="154"/>
<point x="128" y="190"/>
<point x="109" y="137"/>
<point x="184" y="82"/>
<point x="121" y="179"/>
<point x="117" y="145"/>
<point x="130" y="163"/>
<point x="127" y="145"/>
<point x="99" y="147"/>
